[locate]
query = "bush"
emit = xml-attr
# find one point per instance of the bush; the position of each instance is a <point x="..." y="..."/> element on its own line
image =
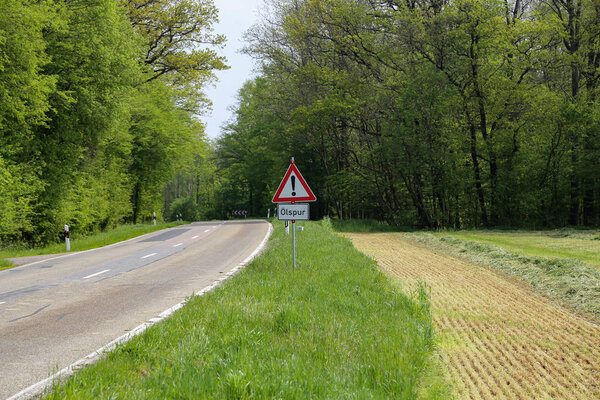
<point x="186" y="207"/>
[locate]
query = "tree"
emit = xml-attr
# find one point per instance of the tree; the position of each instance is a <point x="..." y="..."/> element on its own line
<point x="179" y="44"/>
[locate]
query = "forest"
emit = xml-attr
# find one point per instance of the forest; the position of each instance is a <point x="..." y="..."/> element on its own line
<point x="98" y="110"/>
<point x="425" y="113"/>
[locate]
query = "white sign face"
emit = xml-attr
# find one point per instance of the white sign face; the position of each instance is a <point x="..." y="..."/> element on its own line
<point x="293" y="188"/>
<point x="288" y="212"/>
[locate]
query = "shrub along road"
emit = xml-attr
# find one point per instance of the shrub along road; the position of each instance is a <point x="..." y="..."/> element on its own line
<point x="500" y="340"/>
<point x="55" y="312"/>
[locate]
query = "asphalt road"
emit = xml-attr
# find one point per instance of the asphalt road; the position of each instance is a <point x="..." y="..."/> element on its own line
<point x="56" y="311"/>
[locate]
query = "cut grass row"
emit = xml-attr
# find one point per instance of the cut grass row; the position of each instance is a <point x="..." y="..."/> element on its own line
<point x="333" y="328"/>
<point x="93" y="241"/>
<point x="581" y="245"/>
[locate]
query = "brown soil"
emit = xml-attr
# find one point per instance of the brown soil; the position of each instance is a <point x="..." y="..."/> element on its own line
<point x="498" y="339"/>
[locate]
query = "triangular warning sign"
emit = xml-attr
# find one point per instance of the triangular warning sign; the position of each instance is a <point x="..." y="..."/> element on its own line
<point x="293" y="187"/>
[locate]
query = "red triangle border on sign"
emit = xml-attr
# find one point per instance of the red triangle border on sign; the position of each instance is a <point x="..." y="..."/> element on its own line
<point x="278" y="199"/>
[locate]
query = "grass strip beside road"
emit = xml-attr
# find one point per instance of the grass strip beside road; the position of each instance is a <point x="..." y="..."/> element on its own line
<point x="333" y="328"/>
<point x="100" y="239"/>
<point x="5" y="264"/>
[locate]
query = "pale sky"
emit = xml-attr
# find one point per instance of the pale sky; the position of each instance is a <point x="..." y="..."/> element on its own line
<point x="235" y="17"/>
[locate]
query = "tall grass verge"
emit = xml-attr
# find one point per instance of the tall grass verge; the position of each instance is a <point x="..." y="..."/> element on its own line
<point x="568" y="281"/>
<point x="333" y="328"/>
<point x="366" y="226"/>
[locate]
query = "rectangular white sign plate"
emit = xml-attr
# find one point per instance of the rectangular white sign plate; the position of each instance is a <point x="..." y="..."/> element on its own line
<point x="288" y="212"/>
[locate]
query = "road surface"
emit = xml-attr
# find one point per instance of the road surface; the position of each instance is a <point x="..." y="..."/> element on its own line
<point x="56" y="311"/>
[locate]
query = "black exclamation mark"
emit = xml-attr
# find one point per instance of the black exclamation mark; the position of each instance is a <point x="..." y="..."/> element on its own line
<point x="293" y="185"/>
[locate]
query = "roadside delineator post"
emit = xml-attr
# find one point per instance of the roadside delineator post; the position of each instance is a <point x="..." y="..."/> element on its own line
<point x="67" y="238"/>
<point x="292" y="189"/>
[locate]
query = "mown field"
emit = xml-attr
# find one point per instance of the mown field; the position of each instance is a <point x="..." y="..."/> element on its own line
<point x="501" y="337"/>
<point x="583" y="245"/>
<point x="336" y="327"/>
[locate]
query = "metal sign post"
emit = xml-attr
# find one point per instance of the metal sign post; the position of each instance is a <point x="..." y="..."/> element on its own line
<point x="294" y="243"/>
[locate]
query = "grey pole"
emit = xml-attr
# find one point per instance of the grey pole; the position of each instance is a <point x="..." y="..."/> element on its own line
<point x="294" y="242"/>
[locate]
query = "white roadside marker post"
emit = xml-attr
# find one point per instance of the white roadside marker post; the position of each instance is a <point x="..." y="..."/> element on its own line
<point x="154" y="217"/>
<point x="67" y="239"/>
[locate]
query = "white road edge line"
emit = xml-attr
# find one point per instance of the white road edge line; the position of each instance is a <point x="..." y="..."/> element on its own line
<point x="149" y="255"/>
<point x="195" y="237"/>
<point x="96" y="274"/>
<point x="37" y="389"/>
<point x="177" y="245"/>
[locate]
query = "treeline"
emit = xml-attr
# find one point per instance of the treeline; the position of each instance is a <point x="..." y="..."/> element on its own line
<point x="435" y="113"/>
<point x="97" y="105"/>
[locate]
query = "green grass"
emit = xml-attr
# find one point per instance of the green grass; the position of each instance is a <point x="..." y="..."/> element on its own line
<point x="93" y="241"/>
<point x="5" y="265"/>
<point x="584" y="246"/>
<point x="366" y="226"/>
<point x="529" y="256"/>
<point x="335" y="327"/>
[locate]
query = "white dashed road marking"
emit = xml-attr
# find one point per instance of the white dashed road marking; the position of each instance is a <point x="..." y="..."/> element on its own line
<point x="206" y="230"/>
<point x="195" y="237"/>
<point x="96" y="274"/>
<point x="149" y="255"/>
<point x="177" y="245"/>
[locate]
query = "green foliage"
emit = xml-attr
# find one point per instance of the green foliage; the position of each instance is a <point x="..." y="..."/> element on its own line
<point x="164" y="140"/>
<point x="24" y="88"/>
<point x="184" y="208"/>
<point x="333" y="328"/>
<point x="18" y="188"/>
<point x="176" y="34"/>
<point x="90" y="131"/>
<point x="430" y="114"/>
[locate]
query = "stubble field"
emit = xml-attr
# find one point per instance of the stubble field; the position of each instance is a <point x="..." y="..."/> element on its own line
<point x="498" y="340"/>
